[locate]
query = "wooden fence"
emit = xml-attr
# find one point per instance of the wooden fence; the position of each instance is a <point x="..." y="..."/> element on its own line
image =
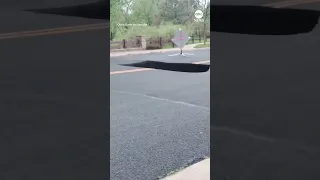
<point x="152" y="42"/>
<point x="123" y="44"/>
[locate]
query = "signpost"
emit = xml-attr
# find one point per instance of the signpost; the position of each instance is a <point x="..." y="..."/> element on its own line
<point x="180" y="39"/>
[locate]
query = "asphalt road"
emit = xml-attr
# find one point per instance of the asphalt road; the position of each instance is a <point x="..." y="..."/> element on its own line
<point x="53" y="98"/>
<point x="265" y="103"/>
<point x="159" y="120"/>
<point x="264" y="100"/>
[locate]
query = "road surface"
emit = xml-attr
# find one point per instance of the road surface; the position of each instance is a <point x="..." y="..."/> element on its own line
<point x="264" y="96"/>
<point x="53" y="96"/>
<point x="265" y="102"/>
<point x="159" y="120"/>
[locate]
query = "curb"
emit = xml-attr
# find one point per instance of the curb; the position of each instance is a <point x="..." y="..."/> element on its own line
<point x="125" y="50"/>
<point x="198" y="171"/>
<point x="116" y="54"/>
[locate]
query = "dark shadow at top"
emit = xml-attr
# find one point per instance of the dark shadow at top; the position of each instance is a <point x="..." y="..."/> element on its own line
<point x="256" y="20"/>
<point x="261" y="20"/>
<point x="97" y="10"/>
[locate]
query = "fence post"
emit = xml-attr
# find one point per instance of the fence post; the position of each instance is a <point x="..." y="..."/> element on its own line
<point x="124" y="43"/>
<point x="139" y="41"/>
<point x="160" y="43"/>
<point x="200" y="37"/>
<point x="192" y="39"/>
<point x="144" y="42"/>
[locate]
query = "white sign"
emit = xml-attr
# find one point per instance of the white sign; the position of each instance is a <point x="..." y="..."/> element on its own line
<point x="198" y="16"/>
<point x="180" y="39"/>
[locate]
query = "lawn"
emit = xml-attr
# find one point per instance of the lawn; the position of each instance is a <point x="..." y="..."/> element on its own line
<point x="202" y="45"/>
<point x="169" y="45"/>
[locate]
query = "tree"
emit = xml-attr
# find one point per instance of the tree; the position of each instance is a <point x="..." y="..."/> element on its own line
<point x="206" y="18"/>
<point x="155" y="13"/>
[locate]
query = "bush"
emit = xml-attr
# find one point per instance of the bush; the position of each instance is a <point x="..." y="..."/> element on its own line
<point x="164" y="30"/>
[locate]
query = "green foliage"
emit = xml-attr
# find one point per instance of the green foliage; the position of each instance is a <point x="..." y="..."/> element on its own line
<point x="164" y="30"/>
<point x="163" y="18"/>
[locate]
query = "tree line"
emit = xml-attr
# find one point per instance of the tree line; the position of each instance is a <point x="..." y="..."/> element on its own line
<point x="131" y="18"/>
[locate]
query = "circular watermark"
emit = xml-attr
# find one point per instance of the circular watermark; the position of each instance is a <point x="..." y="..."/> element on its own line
<point x="198" y="14"/>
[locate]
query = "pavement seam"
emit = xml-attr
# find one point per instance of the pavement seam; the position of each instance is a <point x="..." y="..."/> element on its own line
<point x="259" y="137"/>
<point x="207" y="109"/>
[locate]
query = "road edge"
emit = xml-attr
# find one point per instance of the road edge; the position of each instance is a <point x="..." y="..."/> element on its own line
<point x="125" y="53"/>
<point x="198" y="171"/>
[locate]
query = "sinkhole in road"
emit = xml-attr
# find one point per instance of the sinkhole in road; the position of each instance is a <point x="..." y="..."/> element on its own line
<point x="179" y="67"/>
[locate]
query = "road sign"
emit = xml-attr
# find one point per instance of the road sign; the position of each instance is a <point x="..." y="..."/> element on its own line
<point x="180" y="39"/>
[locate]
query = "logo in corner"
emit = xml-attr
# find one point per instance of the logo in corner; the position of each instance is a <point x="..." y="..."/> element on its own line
<point x="198" y="14"/>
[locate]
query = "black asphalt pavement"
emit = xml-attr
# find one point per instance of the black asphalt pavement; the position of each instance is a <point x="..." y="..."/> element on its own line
<point x="159" y="119"/>
<point x="54" y="117"/>
<point x="265" y="99"/>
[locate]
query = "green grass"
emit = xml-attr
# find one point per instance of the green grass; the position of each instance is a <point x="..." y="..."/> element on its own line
<point x="202" y="45"/>
<point x="169" y="45"/>
<point x="197" y="41"/>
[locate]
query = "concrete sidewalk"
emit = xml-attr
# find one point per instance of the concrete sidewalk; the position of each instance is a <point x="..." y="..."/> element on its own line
<point x="198" y="171"/>
<point x="124" y="53"/>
